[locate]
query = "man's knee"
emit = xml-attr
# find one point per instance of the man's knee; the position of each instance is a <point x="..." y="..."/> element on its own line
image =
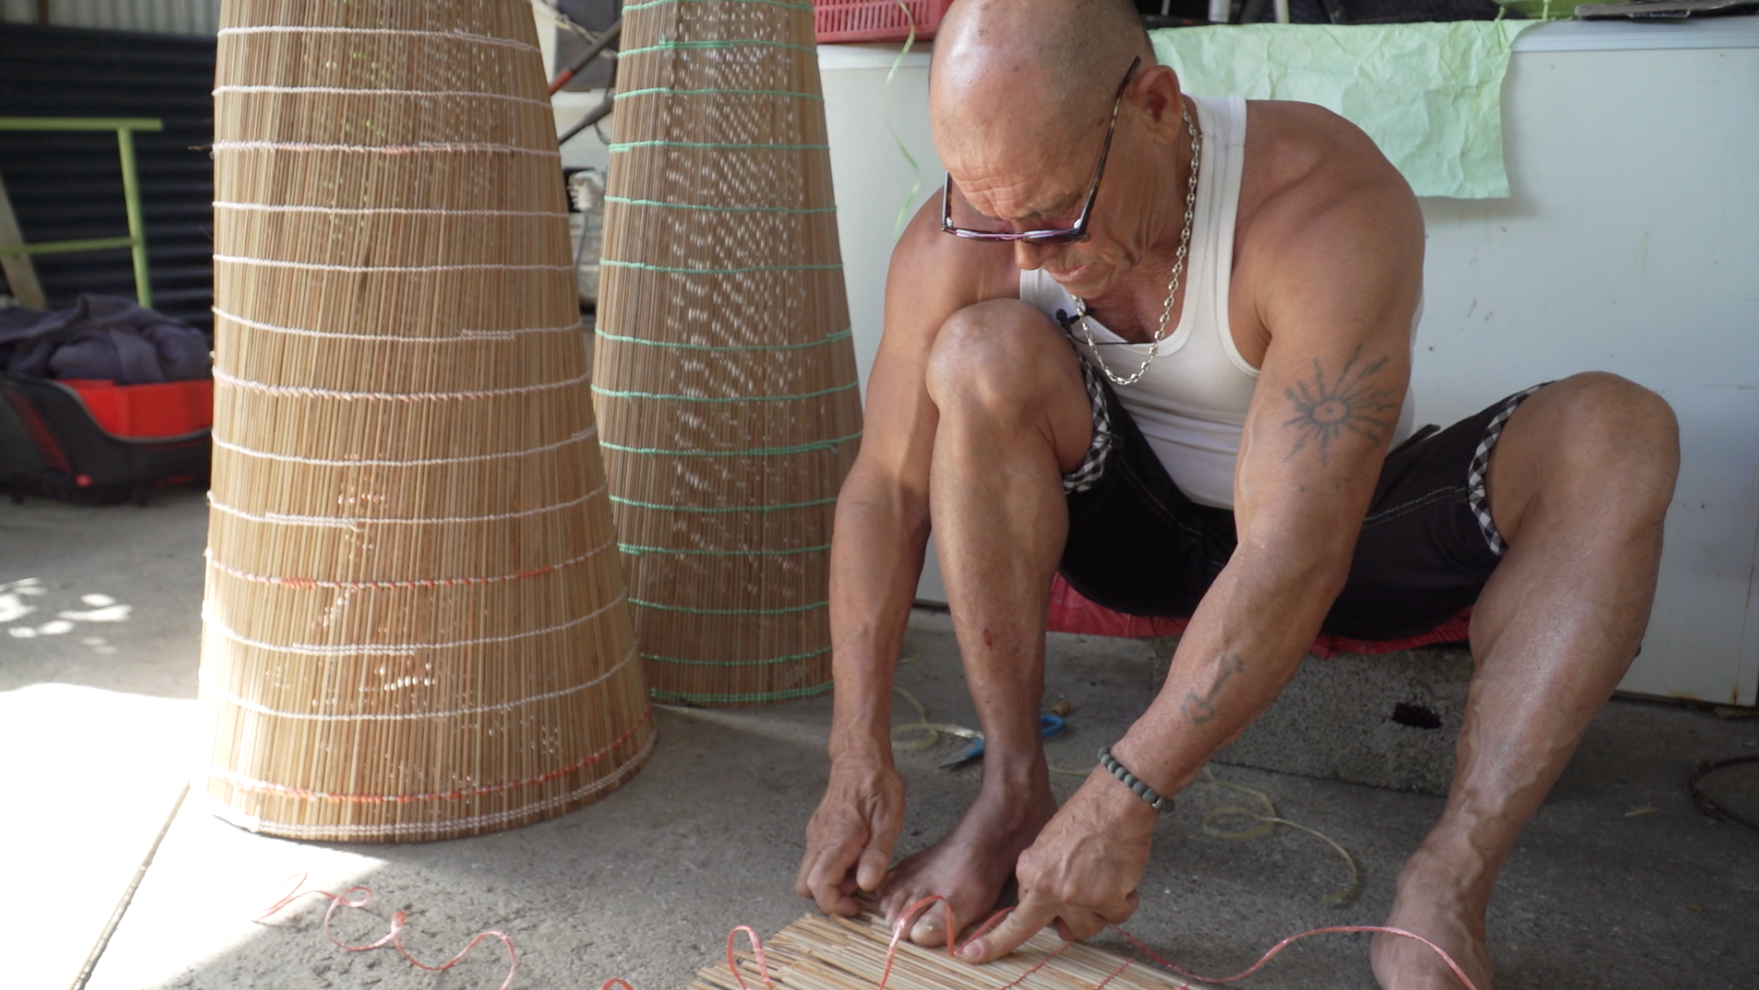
<point x="1610" y="430"/>
<point x="1000" y="355"/>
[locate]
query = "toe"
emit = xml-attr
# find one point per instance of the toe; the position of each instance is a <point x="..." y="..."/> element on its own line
<point x="931" y="928"/>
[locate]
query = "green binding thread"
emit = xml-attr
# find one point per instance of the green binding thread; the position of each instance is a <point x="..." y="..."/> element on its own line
<point x="804" y="448"/>
<point x="668" y="270"/>
<point x="770" y="3"/>
<point x="711" y="208"/>
<point x="637" y="550"/>
<point x="737" y="699"/>
<point x="736" y="663"/>
<point x="615" y="394"/>
<point x="665" y="45"/>
<point x="705" y="92"/>
<point x="728" y="145"/>
<point x="717" y="509"/>
<point x="788" y="610"/>
<point x="623" y="339"/>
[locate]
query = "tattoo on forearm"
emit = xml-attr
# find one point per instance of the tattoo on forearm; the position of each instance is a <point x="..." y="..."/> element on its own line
<point x="1326" y="406"/>
<point x="1201" y="710"/>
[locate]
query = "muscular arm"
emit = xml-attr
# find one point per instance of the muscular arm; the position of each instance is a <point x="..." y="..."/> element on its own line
<point x="877" y="554"/>
<point x="1338" y="312"/>
<point x="1338" y="271"/>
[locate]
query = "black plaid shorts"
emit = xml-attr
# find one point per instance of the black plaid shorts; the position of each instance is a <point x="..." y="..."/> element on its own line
<point x="1138" y="545"/>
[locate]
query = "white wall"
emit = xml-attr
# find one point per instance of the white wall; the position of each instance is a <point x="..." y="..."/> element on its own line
<point x="1631" y="245"/>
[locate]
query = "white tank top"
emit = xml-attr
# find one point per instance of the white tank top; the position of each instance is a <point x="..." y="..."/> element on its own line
<point x="1191" y="404"/>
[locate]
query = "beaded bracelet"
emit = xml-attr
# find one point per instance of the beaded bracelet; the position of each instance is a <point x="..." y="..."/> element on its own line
<point x="1143" y="791"/>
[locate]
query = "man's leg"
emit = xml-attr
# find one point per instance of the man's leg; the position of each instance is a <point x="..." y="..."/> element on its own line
<point x="1579" y="484"/>
<point x="1014" y="417"/>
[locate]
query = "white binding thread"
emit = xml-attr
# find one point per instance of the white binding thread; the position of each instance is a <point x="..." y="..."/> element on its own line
<point x="425" y="148"/>
<point x="585" y="434"/>
<point x="464" y="335"/>
<point x="358" y="522"/>
<point x="213" y="686"/>
<point x="346" y="90"/>
<point x="370" y="269"/>
<point x="475" y="39"/>
<point x="394" y="649"/>
<point x="422" y="584"/>
<point x="307" y="392"/>
<point x="221" y="204"/>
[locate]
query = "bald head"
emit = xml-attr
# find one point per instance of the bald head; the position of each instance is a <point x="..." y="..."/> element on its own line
<point x="1024" y="70"/>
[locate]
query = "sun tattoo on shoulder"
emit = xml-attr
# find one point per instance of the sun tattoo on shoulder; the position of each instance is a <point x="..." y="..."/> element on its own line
<point x="1326" y="407"/>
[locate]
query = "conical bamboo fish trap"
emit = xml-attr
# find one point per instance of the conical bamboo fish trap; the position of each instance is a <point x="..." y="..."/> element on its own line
<point x="415" y="623"/>
<point x="725" y="376"/>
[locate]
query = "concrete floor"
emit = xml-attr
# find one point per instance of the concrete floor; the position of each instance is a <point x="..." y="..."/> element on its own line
<point x="1619" y="881"/>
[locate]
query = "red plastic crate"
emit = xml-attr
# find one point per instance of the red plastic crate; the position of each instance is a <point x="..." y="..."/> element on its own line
<point x="148" y="412"/>
<point x="876" y="20"/>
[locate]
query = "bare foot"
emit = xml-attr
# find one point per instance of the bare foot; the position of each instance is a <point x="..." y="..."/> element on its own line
<point x="971" y="863"/>
<point x="1432" y="903"/>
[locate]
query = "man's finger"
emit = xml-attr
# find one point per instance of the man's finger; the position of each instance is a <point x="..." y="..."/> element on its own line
<point x="871" y="871"/>
<point x="1027" y="920"/>
<point x="1079" y="926"/>
<point x="825" y="877"/>
<point x="1118" y="917"/>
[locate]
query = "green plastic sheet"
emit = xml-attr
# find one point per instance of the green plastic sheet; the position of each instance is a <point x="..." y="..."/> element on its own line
<point x="1430" y="95"/>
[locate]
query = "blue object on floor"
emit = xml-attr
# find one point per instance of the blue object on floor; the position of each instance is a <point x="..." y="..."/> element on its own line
<point x="1049" y="726"/>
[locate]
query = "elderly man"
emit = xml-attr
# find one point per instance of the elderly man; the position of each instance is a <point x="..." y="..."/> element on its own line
<point x="1162" y="345"/>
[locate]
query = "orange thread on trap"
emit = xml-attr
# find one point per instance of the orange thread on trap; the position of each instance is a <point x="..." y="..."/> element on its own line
<point x="254" y="785"/>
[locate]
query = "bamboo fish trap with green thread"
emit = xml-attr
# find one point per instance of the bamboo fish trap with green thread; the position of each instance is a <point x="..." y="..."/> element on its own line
<point x="415" y="623"/>
<point x="724" y="372"/>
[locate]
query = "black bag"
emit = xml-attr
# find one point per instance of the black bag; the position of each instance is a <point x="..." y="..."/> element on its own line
<point x="50" y="444"/>
<point x="50" y="441"/>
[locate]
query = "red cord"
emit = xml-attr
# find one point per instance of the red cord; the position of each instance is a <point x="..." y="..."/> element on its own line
<point x="1248" y="971"/>
<point x="763" y="969"/>
<point x="393" y="938"/>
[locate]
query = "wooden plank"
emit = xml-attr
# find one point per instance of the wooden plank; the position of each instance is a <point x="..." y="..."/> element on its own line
<point x="20" y="273"/>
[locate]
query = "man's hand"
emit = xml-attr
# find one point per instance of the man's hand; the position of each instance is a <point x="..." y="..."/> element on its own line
<point x="850" y="837"/>
<point x="1082" y="872"/>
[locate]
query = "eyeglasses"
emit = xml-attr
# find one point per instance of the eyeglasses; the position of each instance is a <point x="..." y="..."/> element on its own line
<point x="1054" y="235"/>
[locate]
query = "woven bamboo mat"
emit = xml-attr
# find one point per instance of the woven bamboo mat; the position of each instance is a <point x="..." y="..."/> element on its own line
<point x="825" y="953"/>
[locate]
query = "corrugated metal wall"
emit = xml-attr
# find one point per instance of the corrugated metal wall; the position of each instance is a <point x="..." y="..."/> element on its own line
<point x="68" y="186"/>
<point x="154" y="16"/>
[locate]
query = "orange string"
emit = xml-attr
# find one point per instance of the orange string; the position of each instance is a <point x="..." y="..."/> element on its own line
<point x="399" y="920"/>
<point x="1141" y="947"/>
<point x="763" y="969"/>
<point x="393" y="938"/>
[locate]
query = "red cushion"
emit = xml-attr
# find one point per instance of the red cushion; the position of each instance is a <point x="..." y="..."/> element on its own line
<point x="1071" y="613"/>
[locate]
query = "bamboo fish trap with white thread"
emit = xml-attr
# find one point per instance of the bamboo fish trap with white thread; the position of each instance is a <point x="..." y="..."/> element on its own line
<point x="725" y="376"/>
<point x="415" y="623"/>
<point x="829" y="953"/>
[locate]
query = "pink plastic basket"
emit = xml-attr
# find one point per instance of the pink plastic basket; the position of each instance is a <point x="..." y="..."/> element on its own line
<point x="876" y="20"/>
